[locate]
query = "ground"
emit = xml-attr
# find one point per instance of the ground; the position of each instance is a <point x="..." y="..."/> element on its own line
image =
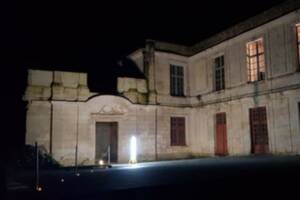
<point x="252" y="177"/>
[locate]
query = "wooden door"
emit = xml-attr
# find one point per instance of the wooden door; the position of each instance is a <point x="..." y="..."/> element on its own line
<point x="221" y="135"/>
<point x="106" y="136"/>
<point x="114" y="142"/>
<point x="259" y="130"/>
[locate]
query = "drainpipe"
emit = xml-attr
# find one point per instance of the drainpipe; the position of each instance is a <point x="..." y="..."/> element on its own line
<point x="51" y="116"/>
<point x="155" y="139"/>
<point x="76" y="146"/>
<point x="51" y="128"/>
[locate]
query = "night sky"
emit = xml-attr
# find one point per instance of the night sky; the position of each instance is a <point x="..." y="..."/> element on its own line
<point x="92" y="37"/>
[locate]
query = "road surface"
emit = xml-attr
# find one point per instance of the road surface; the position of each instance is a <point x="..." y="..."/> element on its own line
<point x="253" y="177"/>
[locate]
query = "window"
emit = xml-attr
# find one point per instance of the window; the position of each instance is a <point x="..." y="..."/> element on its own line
<point x="298" y="41"/>
<point x="219" y="73"/>
<point x="176" y="85"/>
<point x="177" y="131"/>
<point x="299" y="113"/>
<point x="255" y="60"/>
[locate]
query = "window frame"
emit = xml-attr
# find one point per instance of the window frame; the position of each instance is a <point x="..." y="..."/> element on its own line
<point x="219" y="68"/>
<point x="177" y="138"/>
<point x="259" y="69"/>
<point x="298" y="114"/>
<point x="258" y="117"/>
<point x="297" y="26"/>
<point x="221" y="119"/>
<point x="177" y="80"/>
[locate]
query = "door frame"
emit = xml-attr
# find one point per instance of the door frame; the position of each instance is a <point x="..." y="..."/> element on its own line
<point x="252" y="133"/>
<point x="117" y="137"/>
<point x="225" y="138"/>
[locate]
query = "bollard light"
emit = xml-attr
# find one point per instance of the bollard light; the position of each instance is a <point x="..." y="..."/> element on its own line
<point x="133" y="150"/>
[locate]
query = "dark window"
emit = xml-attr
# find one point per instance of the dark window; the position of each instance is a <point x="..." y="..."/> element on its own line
<point x="219" y="73"/>
<point x="259" y="130"/>
<point x="299" y="113"/>
<point x="298" y="41"/>
<point x="256" y="60"/>
<point x="177" y="131"/>
<point x="177" y="78"/>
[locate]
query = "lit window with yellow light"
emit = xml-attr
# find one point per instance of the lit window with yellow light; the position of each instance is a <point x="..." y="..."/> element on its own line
<point x="256" y="60"/>
<point x="298" y="41"/>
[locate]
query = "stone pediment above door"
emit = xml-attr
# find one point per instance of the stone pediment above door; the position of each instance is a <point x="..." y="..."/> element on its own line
<point x="112" y="110"/>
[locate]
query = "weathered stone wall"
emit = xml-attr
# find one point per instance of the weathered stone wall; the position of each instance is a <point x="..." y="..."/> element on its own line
<point x="151" y="125"/>
<point x="137" y="120"/>
<point x="64" y="131"/>
<point x="38" y="123"/>
<point x="280" y="55"/>
<point x="56" y="85"/>
<point x="72" y="120"/>
<point x="164" y="148"/>
<point x="282" y="116"/>
<point x="279" y="92"/>
<point x="162" y="78"/>
<point x="138" y="58"/>
<point x="134" y="89"/>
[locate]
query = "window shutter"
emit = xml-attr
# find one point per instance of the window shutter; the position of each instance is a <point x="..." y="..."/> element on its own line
<point x="178" y="131"/>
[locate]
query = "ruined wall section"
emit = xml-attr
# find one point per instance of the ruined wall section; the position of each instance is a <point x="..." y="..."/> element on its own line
<point x="56" y="85"/>
<point x="133" y="89"/>
<point x="45" y="89"/>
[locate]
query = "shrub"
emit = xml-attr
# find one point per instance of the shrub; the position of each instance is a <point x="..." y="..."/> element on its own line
<point x="28" y="159"/>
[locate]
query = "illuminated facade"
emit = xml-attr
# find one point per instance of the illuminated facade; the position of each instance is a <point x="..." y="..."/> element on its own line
<point x="236" y="93"/>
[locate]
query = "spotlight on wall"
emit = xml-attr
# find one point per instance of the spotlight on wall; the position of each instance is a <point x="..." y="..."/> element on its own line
<point x="133" y="150"/>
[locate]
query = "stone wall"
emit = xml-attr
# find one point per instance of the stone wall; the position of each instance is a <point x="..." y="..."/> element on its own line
<point x="280" y="48"/>
<point x="134" y="89"/>
<point x="38" y="119"/>
<point x="75" y="122"/>
<point x="56" y="85"/>
<point x="151" y="125"/>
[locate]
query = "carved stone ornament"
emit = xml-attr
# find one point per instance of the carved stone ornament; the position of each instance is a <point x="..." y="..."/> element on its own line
<point x="112" y="110"/>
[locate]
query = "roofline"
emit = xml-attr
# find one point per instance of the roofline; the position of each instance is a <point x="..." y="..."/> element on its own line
<point x="247" y="25"/>
<point x="136" y="52"/>
<point x="171" y="47"/>
<point x="231" y="32"/>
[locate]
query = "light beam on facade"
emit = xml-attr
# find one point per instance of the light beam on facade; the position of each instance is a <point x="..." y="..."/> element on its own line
<point x="133" y="150"/>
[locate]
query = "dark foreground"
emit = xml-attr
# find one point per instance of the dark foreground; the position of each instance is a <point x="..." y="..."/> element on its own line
<point x="262" y="177"/>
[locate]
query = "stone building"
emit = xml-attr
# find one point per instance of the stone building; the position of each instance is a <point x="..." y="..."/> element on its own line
<point x="235" y="93"/>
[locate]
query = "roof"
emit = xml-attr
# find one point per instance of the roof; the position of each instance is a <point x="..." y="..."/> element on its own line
<point x="249" y="24"/>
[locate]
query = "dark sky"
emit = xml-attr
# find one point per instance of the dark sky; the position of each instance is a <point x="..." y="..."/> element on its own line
<point x="93" y="36"/>
<point x="76" y="33"/>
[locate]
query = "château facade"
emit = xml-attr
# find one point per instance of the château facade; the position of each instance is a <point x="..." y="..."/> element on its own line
<point x="236" y="93"/>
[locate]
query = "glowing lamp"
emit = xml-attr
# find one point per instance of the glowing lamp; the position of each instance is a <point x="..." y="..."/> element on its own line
<point x="101" y="162"/>
<point x="133" y="150"/>
<point x="39" y="189"/>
